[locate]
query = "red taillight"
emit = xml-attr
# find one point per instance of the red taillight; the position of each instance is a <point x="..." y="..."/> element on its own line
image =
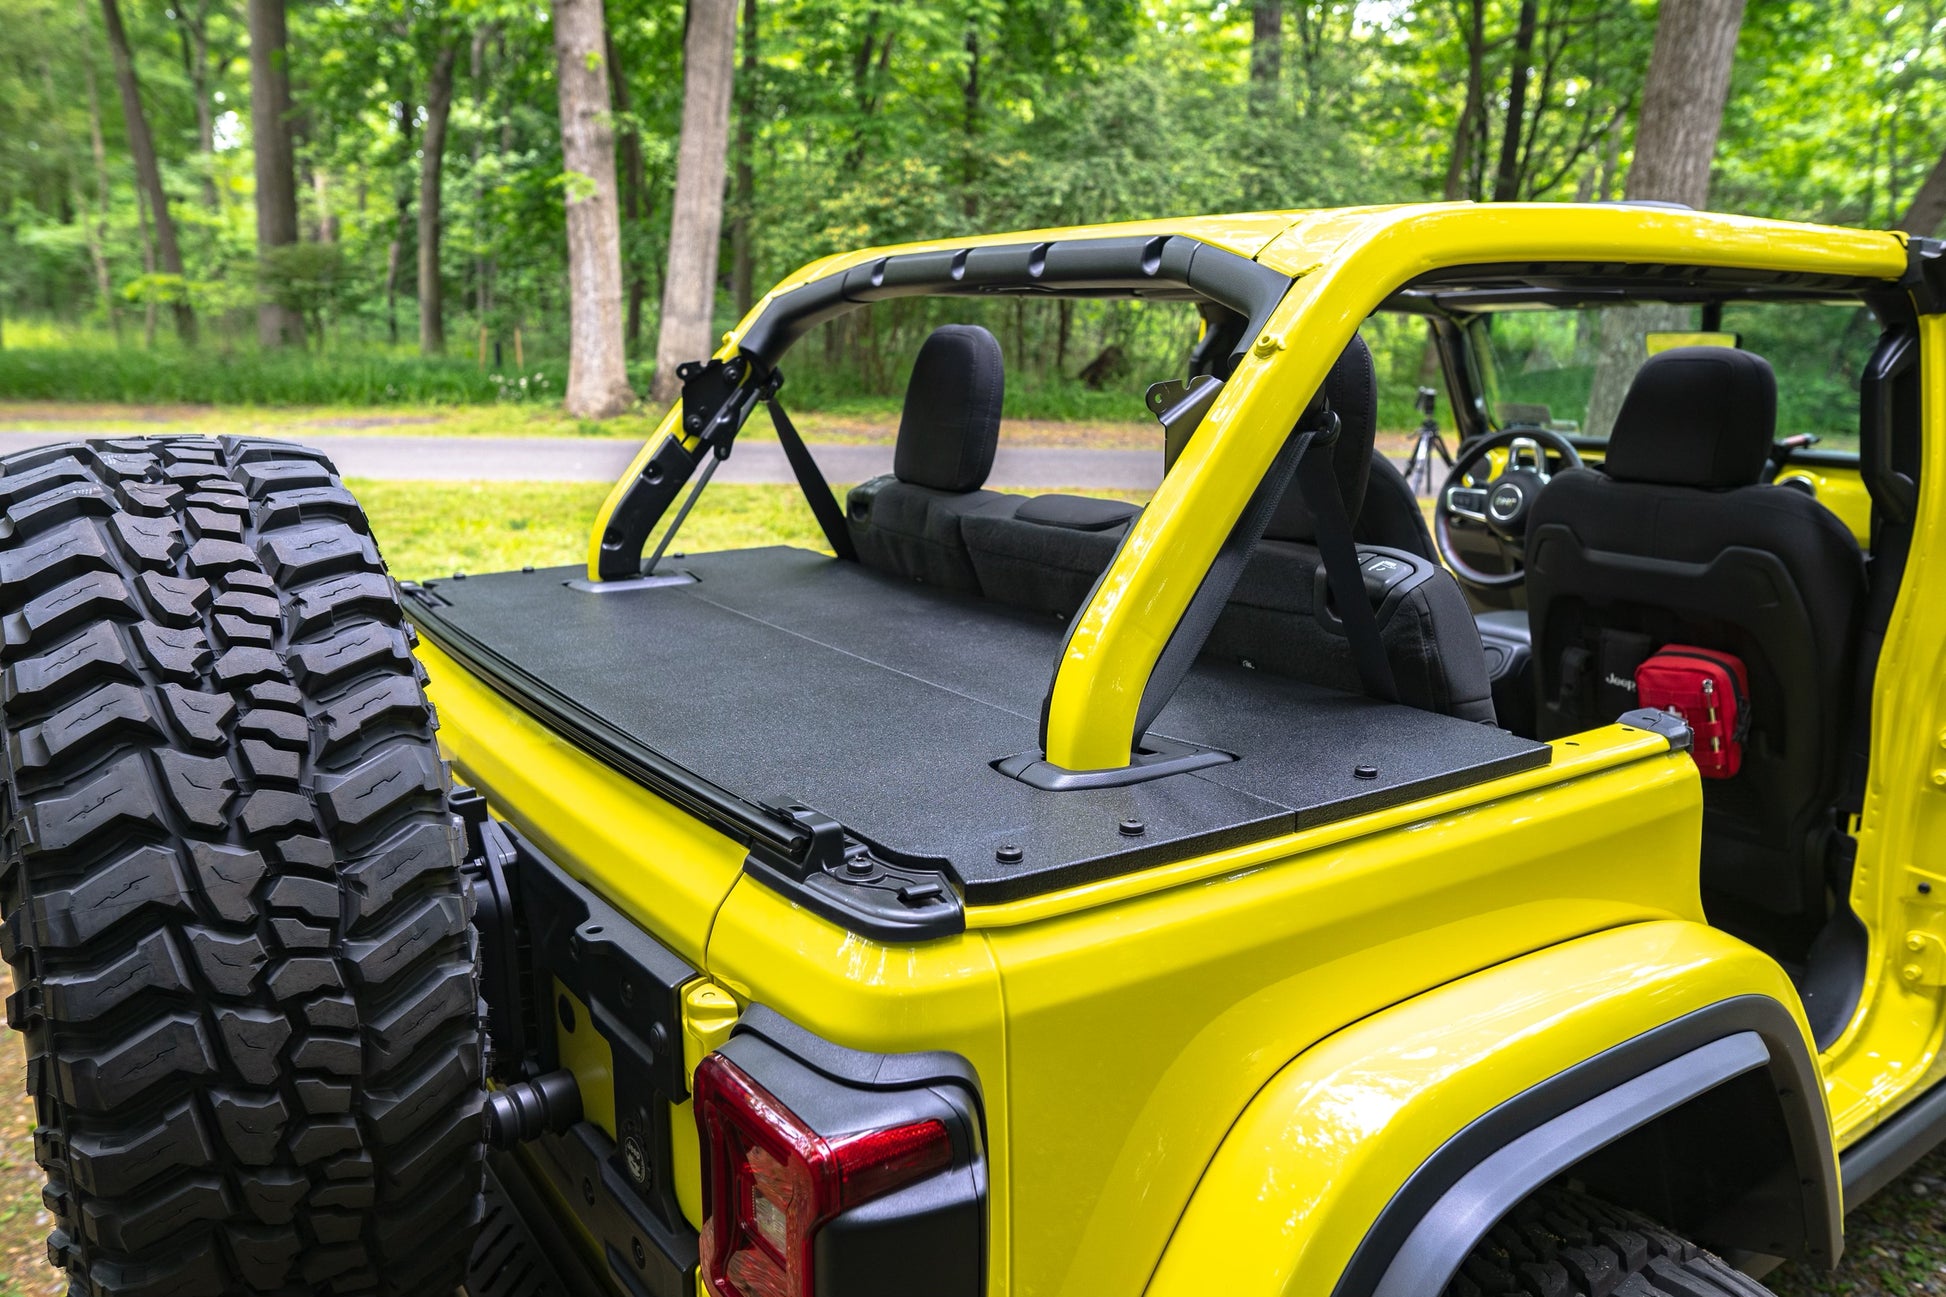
<point x="770" y="1182"/>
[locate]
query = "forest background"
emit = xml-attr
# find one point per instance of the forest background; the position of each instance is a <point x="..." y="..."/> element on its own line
<point x="368" y="202"/>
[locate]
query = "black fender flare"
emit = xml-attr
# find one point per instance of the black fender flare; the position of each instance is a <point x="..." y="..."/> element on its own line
<point x="1457" y="1193"/>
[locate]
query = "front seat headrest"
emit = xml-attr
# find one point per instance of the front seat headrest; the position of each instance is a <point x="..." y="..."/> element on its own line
<point x="1351" y="389"/>
<point x="951" y="422"/>
<point x="1695" y="416"/>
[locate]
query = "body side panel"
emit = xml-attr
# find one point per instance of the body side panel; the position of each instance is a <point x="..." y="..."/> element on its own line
<point x="1321" y="1150"/>
<point x="1137" y="1030"/>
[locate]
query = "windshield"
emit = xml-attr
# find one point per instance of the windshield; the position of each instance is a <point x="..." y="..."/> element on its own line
<point x="1568" y="369"/>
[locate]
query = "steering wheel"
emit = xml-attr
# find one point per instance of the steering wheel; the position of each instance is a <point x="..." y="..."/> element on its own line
<point x="1499" y="507"/>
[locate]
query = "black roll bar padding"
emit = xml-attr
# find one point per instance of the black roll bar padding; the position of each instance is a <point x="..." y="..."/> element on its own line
<point x="1895" y="494"/>
<point x="1162" y="267"/>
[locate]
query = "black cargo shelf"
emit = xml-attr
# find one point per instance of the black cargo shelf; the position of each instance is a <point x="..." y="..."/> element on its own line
<point x="784" y="676"/>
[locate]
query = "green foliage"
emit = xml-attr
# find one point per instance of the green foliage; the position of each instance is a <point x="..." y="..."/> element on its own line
<point x="307" y="278"/>
<point x="246" y="376"/>
<point x="868" y="123"/>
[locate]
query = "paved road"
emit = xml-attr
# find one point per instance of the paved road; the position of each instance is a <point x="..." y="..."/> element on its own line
<point x="569" y="459"/>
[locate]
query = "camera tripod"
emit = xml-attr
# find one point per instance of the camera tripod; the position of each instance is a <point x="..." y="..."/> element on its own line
<point x="1418" y="466"/>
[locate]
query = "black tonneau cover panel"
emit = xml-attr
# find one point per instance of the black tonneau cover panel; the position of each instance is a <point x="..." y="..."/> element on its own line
<point x="785" y="676"/>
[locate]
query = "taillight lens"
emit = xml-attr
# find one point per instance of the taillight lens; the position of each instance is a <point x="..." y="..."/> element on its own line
<point x="770" y="1182"/>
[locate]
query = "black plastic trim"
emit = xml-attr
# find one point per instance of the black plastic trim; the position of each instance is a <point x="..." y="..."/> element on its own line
<point x="859" y="1068"/>
<point x="1792" y="1072"/>
<point x="862" y="886"/>
<point x="1891" y="1149"/>
<point x="523" y="1250"/>
<point x="1155" y="758"/>
<point x="1892" y="491"/>
<point x="630" y="988"/>
<point x="1657" y="721"/>
<point x="1445" y="1236"/>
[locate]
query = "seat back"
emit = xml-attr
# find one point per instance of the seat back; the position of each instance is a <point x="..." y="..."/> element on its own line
<point x="1674" y="541"/>
<point x="1047" y="553"/>
<point x="908" y="522"/>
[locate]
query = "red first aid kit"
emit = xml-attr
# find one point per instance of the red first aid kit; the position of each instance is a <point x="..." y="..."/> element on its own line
<point x="1708" y="689"/>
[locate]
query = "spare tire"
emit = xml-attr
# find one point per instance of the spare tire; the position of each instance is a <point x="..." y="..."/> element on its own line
<point x="230" y="881"/>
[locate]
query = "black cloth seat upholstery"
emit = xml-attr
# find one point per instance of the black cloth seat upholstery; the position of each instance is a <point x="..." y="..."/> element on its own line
<point x="1674" y="541"/>
<point x="909" y="522"/>
<point x="1391" y="515"/>
<point x="1047" y="554"/>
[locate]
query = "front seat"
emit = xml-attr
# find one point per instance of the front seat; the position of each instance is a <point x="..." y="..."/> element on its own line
<point x="1272" y="620"/>
<point x="1674" y="541"/>
<point x="1391" y="515"/>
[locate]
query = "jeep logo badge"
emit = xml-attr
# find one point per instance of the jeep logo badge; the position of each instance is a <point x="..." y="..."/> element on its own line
<point x="1505" y="501"/>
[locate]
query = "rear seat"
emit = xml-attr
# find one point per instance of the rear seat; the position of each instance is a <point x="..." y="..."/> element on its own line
<point x="909" y="522"/>
<point x="930" y="520"/>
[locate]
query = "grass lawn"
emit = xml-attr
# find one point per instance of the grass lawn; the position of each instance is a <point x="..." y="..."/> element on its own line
<point x="433" y="529"/>
<point x="856" y="423"/>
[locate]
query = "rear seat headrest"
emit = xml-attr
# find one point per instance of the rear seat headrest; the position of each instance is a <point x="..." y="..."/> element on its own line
<point x="1695" y="416"/>
<point x="951" y="422"/>
<point x="1352" y="390"/>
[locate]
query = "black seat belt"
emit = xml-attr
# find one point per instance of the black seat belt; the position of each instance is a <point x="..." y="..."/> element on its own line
<point x="1305" y="456"/>
<point x="1346" y="580"/>
<point x="817" y="492"/>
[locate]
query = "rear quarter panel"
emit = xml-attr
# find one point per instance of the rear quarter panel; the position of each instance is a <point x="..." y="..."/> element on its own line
<point x="1323" y="1147"/>
<point x="1119" y="1032"/>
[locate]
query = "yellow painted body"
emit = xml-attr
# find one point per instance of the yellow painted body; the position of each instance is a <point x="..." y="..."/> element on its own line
<point x="1840" y="490"/>
<point x="1208" y="1076"/>
<point x="1382" y="1094"/>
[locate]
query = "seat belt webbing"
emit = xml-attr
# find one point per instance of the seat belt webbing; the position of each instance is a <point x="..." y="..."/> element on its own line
<point x="1207" y="604"/>
<point x="1319" y="486"/>
<point x="817" y="492"/>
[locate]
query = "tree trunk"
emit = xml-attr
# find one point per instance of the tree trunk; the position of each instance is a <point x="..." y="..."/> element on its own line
<point x="395" y="251"/>
<point x="141" y="147"/>
<point x="482" y="263"/>
<point x="327" y="228"/>
<point x="439" y="104"/>
<point x="597" y="366"/>
<point x="1682" y="100"/>
<point x="635" y="205"/>
<point x="1458" y="183"/>
<point x="1675" y="140"/>
<point x="148" y="267"/>
<point x="1266" y="51"/>
<point x="970" y="129"/>
<point x="94" y="210"/>
<point x="270" y="119"/>
<point x="1506" y="178"/>
<point x="1928" y="207"/>
<point x="195" y="57"/>
<point x="689" y="287"/>
<point x="743" y="216"/>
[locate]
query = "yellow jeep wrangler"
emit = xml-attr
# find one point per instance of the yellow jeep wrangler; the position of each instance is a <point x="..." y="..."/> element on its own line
<point x="1256" y="892"/>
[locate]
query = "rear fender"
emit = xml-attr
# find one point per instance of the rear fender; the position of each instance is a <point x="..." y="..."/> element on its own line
<point x="1668" y="1064"/>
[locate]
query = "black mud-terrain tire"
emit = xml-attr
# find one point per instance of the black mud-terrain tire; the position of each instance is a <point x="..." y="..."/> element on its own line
<point x="230" y="881"/>
<point x="1561" y="1243"/>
